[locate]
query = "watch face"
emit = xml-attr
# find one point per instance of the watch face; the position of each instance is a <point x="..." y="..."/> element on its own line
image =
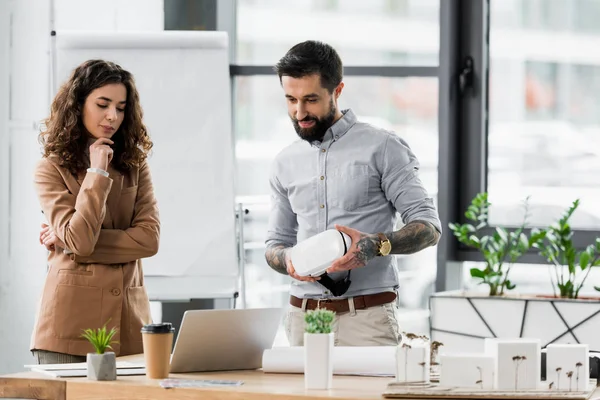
<point x="386" y="247"/>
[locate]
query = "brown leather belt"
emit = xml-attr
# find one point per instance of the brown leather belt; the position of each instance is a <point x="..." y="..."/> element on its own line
<point x="342" y="306"/>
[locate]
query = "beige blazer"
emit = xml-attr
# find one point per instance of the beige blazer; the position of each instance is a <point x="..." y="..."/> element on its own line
<point x="109" y="224"/>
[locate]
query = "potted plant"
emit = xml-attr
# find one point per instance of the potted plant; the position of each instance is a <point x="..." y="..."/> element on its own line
<point x="570" y="267"/>
<point x="318" y="349"/>
<point x="101" y="365"/>
<point x="462" y="319"/>
<point x="498" y="249"/>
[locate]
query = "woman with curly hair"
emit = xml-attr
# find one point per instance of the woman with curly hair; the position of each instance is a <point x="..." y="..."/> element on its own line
<point x="96" y="193"/>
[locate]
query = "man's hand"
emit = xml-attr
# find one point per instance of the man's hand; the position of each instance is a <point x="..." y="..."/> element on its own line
<point x="49" y="239"/>
<point x="292" y="272"/>
<point x="363" y="249"/>
<point x="278" y="258"/>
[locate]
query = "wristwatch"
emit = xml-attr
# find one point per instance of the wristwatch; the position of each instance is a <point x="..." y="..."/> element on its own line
<point x="385" y="246"/>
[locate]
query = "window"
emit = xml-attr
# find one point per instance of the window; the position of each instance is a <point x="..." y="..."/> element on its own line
<point x="190" y="15"/>
<point x="396" y="45"/>
<point x="407" y="106"/>
<point x="374" y="32"/>
<point x="544" y="111"/>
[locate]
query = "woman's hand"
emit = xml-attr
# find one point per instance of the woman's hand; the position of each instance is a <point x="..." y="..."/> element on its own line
<point x="49" y="239"/>
<point x="101" y="154"/>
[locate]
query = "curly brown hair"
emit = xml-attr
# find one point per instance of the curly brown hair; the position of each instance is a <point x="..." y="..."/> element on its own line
<point x="66" y="138"/>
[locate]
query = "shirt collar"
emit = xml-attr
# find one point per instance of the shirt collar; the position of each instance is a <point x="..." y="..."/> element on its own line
<point x="340" y="127"/>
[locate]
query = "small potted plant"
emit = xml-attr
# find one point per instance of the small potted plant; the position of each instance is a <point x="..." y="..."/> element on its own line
<point x="318" y="349"/>
<point x="101" y="365"/>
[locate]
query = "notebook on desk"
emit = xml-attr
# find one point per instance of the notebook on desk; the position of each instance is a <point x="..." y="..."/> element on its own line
<point x="223" y="340"/>
<point x="80" y="369"/>
<point x="75" y="373"/>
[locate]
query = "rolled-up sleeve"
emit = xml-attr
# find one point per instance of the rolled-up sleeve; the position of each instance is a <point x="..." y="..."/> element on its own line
<point x="283" y="224"/>
<point x="403" y="187"/>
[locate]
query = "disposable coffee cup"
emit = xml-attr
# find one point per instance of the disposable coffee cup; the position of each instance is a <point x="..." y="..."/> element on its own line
<point x="158" y="342"/>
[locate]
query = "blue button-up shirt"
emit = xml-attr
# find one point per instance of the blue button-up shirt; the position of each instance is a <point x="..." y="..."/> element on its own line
<point x="359" y="176"/>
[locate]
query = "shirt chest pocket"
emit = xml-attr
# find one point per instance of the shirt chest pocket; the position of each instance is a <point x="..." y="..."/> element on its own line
<point x="348" y="187"/>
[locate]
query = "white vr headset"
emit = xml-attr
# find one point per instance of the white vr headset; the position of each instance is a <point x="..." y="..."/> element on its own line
<point x="313" y="256"/>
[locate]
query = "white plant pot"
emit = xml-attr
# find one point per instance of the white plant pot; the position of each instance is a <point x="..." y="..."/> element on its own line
<point x="463" y="320"/>
<point x="318" y="360"/>
<point x="102" y="367"/>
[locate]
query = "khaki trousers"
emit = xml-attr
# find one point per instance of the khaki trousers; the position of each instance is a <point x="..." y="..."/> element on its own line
<point x="375" y="326"/>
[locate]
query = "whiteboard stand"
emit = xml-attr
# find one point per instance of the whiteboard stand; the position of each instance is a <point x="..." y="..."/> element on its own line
<point x="172" y="310"/>
<point x="240" y="213"/>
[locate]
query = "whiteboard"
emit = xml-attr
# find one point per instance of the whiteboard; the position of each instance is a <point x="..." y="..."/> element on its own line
<point x="184" y="85"/>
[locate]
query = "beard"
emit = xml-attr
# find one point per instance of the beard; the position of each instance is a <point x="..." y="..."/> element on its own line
<point x="317" y="131"/>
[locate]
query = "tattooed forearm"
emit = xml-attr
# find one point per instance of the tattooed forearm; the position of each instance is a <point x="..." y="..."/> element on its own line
<point x="367" y="249"/>
<point x="413" y="237"/>
<point x="275" y="256"/>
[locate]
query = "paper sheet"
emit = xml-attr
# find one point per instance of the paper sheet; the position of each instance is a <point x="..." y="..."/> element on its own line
<point x="370" y="361"/>
<point x="82" y="365"/>
<point x="73" y="373"/>
<point x="187" y="383"/>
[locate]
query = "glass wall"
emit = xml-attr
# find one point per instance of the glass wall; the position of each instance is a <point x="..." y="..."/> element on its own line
<point x="544" y="116"/>
<point x="541" y="109"/>
<point x="375" y="34"/>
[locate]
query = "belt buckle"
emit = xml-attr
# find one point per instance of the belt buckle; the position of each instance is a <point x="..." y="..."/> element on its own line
<point x="319" y="301"/>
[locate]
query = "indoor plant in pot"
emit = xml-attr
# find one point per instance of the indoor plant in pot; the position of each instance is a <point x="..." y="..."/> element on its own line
<point x="500" y="249"/>
<point x="318" y="349"/>
<point x="462" y="320"/>
<point x="570" y="267"/>
<point x="101" y="365"/>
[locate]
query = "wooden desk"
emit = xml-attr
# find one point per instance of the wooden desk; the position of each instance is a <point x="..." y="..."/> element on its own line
<point x="257" y="385"/>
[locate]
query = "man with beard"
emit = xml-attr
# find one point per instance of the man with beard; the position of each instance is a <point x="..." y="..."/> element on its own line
<point x="353" y="177"/>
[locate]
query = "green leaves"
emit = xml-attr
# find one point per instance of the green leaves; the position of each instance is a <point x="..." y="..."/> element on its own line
<point x="497" y="248"/>
<point x="503" y="246"/>
<point x="584" y="260"/>
<point x="571" y="266"/>
<point x="477" y="273"/>
<point x="100" y="338"/>
<point x="318" y="321"/>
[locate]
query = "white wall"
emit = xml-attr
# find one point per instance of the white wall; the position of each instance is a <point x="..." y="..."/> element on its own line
<point x="23" y="272"/>
<point x="4" y="224"/>
<point x="22" y="258"/>
<point x="109" y="15"/>
<point x="4" y="64"/>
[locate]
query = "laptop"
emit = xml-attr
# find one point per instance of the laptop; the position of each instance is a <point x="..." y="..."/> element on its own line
<point x="223" y="340"/>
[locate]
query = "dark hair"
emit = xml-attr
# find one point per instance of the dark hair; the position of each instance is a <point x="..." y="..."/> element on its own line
<point x="65" y="136"/>
<point x="312" y="57"/>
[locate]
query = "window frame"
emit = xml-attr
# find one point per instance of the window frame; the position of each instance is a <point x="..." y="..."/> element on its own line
<point x="464" y="123"/>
